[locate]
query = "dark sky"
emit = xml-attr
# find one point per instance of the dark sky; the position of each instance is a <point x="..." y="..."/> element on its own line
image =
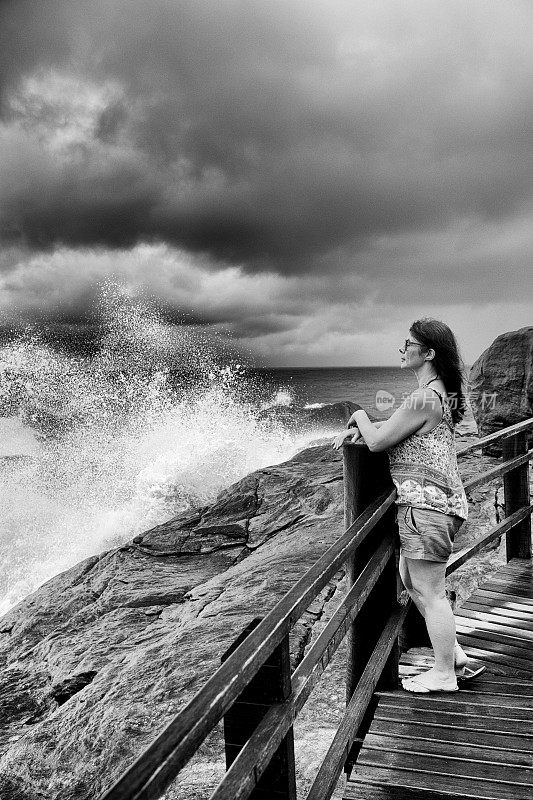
<point x="307" y="177"/>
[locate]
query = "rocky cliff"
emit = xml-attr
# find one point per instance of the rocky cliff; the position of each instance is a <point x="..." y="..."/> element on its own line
<point x="501" y="382"/>
<point x="99" y="659"/>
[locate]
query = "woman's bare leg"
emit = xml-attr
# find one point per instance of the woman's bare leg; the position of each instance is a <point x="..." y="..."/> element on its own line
<point x="460" y="657"/>
<point x="406" y="580"/>
<point x="427" y="580"/>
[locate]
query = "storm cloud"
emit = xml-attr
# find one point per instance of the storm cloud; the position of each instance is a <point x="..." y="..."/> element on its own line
<point x="258" y="166"/>
<point x="267" y="134"/>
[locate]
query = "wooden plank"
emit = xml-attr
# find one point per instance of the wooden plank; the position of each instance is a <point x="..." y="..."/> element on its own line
<point x="512" y="686"/>
<point x="462" y="749"/>
<point x="507" y="742"/>
<point x="507" y="650"/>
<point x="513" y="581"/>
<point x="445" y="765"/>
<point x="515" y="657"/>
<point x="481" y="604"/>
<point x="498" y="617"/>
<point x="367" y="791"/>
<point x="506" y="701"/>
<point x="482" y="595"/>
<point x="523" y="584"/>
<point x="499" y="620"/>
<point x="513" y="634"/>
<point x="483" y="723"/>
<point x="458" y="703"/>
<point x="484" y="630"/>
<point x="431" y="780"/>
<point x="465" y="697"/>
<point x="505" y="599"/>
<point x="502" y="664"/>
<point x="521" y="594"/>
<point x="504" y="575"/>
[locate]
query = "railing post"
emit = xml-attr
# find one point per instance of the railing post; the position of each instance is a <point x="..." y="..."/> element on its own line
<point x="516" y="494"/>
<point x="269" y="686"/>
<point x="367" y="475"/>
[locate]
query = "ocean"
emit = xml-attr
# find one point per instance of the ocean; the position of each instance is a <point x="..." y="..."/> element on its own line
<point x="98" y="447"/>
<point x="313" y="387"/>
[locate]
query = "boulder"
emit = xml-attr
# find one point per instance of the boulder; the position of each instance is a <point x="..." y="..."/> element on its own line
<point x="101" y="657"/>
<point x="501" y="382"/>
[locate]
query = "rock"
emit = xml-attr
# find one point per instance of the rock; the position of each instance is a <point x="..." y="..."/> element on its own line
<point x="99" y="659"/>
<point x="501" y="382"/>
<point x="468" y="425"/>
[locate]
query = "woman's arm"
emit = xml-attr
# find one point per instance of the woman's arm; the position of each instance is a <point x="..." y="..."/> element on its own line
<point x="406" y="420"/>
<point x="354" y="432"/>
<point x="352" y="423"/>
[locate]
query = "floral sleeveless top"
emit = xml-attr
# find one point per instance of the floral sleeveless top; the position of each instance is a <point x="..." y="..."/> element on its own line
<point x="424" y="469"/>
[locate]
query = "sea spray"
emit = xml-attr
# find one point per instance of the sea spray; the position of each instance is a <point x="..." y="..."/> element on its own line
<point x="282" y="398"/>
<point x="153" y="422"/>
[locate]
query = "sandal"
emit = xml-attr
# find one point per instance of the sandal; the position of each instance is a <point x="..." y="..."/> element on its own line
<point x="466" y="673"/>
<point x="421" y="688"/>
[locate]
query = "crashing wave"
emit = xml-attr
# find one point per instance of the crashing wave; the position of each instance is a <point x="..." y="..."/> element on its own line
<point x="156" y="420"/>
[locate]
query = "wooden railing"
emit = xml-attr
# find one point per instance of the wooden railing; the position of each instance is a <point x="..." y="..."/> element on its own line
<point x="254" y="691"/>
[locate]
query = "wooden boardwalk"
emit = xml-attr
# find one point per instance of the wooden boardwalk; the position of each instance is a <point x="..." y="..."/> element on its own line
<point x="478" y="742"/>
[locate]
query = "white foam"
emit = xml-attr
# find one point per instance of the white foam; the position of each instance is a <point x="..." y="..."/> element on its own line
<point x="281" y="399"/>
<point x="16" y="439"/>
<point x="128" y="452"/>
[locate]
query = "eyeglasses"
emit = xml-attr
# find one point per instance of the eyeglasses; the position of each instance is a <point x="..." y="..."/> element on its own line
<point x="407" y="343"/>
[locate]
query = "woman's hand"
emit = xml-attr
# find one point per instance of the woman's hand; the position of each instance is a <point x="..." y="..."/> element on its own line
<point x="338" y="441"/>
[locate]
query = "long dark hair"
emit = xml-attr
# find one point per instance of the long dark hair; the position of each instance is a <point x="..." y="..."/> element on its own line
<point x="448" y="362"/>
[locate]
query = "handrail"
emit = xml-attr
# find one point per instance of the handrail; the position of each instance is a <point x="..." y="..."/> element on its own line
<point x="181" y="737"/>
<point x="462" y="556"/>
<point x="504" y="433"/>
<point x="499" y="470"/>
<point x="270" y="732"/>
<point x="153" y="770"/>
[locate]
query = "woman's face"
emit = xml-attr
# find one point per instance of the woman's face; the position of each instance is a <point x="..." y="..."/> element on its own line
<point x="412" y="353"/>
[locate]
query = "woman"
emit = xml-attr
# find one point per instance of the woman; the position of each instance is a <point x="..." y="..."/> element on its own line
<point x="431" y="501"/>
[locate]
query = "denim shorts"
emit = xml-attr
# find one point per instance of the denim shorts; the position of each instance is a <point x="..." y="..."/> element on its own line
<point x="425" y="533"/>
